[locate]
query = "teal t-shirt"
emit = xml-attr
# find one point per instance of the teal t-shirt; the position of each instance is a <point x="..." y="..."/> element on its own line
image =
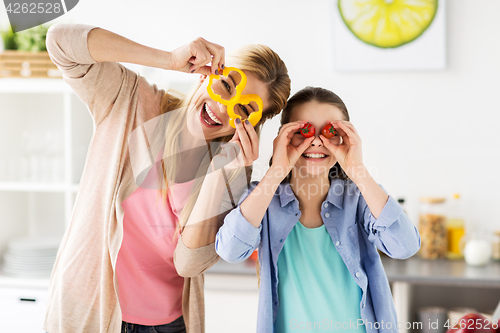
<point x="315" y="289"/>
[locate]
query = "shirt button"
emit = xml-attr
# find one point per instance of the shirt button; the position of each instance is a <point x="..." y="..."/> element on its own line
<point x="281" y="240"/>
<point x="327" y="214"/>
<point x="357" y="274"/>
<point x="325" y="205"/>
<point x="296" y="214"/>
<point x="337" y="243"/>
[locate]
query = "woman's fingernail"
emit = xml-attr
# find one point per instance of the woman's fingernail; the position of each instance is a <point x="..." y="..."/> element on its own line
<point x="238" y="120"/>
<point x="247" y="122"/>
<point x="222" y="66"/>
<point x="192" y="71"/>
<point x="216" y="72"/>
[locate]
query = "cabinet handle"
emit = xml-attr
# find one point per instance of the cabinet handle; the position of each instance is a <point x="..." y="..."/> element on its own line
<point x="27" y="300"/>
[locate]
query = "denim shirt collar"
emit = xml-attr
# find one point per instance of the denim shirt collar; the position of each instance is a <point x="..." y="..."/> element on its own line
<point x="335" y="194"/>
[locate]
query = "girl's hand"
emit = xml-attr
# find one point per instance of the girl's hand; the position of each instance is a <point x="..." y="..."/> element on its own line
<point x="241" y="151"/>
<point x="194" y="57"/>
<point x="284" y="154"/>
<point x="348" y="153"/>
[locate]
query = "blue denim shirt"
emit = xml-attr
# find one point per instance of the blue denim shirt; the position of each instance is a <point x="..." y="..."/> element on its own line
<point x="355" y="232"/>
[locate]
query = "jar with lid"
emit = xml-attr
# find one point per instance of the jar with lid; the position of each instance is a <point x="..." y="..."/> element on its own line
<point x="432" y="228"/>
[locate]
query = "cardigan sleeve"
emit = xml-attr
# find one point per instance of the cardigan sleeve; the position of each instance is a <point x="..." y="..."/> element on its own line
<point x="392" y="232"/>
<point x="193" y="262"/>
<point x="97" y="84"/>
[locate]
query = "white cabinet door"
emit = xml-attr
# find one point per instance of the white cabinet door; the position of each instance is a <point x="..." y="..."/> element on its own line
<point x="22" y="310"/>
<point x="231" y="311"/>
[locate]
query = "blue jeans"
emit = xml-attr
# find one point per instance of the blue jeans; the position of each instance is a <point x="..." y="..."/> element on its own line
<point x="177" y="326"/>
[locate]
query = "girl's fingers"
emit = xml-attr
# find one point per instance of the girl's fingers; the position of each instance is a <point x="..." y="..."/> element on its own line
<point x="305" y="144"/>
<point x="350" y="125"/>
<point x="298" y="122"/>
<point x="326" y="142"/>
<point x="351" y="135"/>
<point x="345" y="132"/>
<point x="341" y="132"/>
<point x="288" y="129"/>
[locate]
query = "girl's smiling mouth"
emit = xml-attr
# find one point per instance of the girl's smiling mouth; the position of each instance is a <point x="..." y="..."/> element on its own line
<point x="314" y="156"/>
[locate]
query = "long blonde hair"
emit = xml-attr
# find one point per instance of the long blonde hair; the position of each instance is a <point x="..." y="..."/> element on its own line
<point x="268" y="67"/>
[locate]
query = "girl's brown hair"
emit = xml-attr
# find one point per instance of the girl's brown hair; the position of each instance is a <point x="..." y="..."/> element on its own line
<point x="320" y="95"/>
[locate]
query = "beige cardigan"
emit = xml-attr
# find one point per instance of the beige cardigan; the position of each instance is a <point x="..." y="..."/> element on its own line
<point x="82" y="293"/>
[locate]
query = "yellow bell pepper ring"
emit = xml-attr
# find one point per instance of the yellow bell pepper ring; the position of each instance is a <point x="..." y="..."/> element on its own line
<point x="254" y="117"/>
<point x="237" y="98"/>
<point x="239" y="87"/>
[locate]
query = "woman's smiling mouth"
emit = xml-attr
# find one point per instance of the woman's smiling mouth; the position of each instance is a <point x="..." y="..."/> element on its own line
<point x="208" y="117"/>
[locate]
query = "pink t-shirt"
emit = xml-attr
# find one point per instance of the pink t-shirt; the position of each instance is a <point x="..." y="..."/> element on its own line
<point x="149" y="288"/>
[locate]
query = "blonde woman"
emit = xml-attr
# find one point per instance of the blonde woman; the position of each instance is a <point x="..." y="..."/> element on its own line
<point x="115" y="268"/>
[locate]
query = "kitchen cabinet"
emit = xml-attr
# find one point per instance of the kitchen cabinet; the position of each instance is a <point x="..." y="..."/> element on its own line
<point x="418" y="283"/>
<point x="231" y="302"/>
<point x="23" y="309"/>
<point x="38" y="180"/>
<point x="415" y="283"/>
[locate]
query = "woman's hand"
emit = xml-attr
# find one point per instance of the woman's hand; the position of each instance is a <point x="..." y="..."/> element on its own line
<point x="284" y="154"/>
<point x="195" y="56"/>
<point x="348" y="153"/>
<point x="241" y="151"/>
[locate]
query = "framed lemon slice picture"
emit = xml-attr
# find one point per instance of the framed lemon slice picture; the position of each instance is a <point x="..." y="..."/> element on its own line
<point x="389" y="34"/>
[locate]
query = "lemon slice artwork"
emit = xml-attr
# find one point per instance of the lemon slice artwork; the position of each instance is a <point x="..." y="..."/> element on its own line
<point x="387" y="23"/>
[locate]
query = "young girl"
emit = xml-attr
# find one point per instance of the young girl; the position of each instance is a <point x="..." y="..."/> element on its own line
<point x="115" y="267"/>
<point x="318" y="218"/>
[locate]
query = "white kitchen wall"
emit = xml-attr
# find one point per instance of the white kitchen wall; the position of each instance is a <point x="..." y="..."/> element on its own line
<point x="424" y="133"/>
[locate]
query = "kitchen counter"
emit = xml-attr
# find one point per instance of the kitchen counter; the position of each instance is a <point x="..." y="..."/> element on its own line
<point x="246" y="267"/>
<point x="415" y="283"/>
<point x="442" y="272"/>
<point x="413" y="270"/>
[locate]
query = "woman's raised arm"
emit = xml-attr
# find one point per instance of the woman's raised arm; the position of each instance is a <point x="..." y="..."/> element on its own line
<point x="107" y="46"/>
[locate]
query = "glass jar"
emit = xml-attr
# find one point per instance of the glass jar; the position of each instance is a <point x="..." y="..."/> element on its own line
<point x="495" y="255"/>
<point x="455" y="227"/>
<point x="477" y="247"/>
<point x="432" y="228"/>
